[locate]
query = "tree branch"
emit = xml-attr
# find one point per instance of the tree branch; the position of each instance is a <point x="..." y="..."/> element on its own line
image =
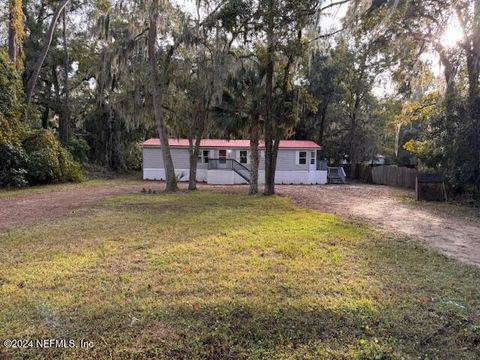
<point x="337" y="3"/>
<point x="46" y="46"/>
<point x="322" y="36"/>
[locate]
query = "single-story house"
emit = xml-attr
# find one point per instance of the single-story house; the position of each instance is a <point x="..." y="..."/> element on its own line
<point x="228" y="161"/>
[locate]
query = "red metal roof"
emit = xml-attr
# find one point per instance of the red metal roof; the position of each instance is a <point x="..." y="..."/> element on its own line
<point x="219" y="143"/>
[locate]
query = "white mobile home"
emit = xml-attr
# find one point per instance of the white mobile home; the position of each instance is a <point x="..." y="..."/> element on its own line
<point x="228" y="161"/>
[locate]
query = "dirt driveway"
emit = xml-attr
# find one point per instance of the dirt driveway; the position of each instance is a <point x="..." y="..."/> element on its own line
<point x="378" y="206"/>
<point x="382" y="208"/>
<point x="29" y="208"/>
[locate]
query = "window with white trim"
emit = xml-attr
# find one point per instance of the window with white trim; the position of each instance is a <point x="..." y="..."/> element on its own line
<point x="205" y="155"/>
<point x="312" y="158"/>
<point x="301" y="157"/>
<point x="243" y="157"/>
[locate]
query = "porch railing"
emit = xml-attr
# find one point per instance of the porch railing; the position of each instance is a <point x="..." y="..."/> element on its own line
<point x="336" y="175"/>
<point x="229" y="164"/>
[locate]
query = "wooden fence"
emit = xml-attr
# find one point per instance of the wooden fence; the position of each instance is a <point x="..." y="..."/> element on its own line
<point x="394" y="176"/>
<point x="390" y="175"/>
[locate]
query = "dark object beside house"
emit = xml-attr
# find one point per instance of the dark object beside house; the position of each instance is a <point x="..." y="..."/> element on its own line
<point x="430" y="187"/>
<point x="336" y="175"/>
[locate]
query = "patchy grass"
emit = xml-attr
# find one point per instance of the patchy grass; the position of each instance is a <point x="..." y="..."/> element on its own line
<point x="38" y="189"/>
<point x="445" y="208"/>
<point x="211" y="276"/>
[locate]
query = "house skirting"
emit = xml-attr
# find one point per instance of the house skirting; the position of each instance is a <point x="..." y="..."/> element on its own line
<point x="229" y="177"/>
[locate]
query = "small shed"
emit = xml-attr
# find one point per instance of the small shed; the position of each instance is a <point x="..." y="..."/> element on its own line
<point x="430" y="187"/>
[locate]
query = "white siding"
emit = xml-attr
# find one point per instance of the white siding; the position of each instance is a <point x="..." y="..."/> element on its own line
<point x="287" y="161"/>
<point x="287" y="170"/>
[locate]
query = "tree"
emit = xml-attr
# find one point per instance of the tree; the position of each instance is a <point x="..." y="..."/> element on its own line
<point x="200" y="93"/>
<point x="284" y="23"/>
<point x="64" y="125"/>
<point x="16" y="32"/>
<point x="345" y="119"/>
<point x="157" y="89"/>
<point x="32" y="81"/>
<point x="241" y="112"/>
<point x="324" y="78"/>
<point x="416" y="28"/>
<point x="469" y="17"/>
<point x="191" y="102"/>
<point x="204" y="64"/>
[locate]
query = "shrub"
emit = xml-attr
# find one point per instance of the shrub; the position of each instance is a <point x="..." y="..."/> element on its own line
<point x="13" y="161"/>
<point x="133" y="157"/>
<point x="11" y="96"/>
<point x="79" y="149"/>
<point x="10" y="130"/>
<point x="48" y="161"/>
<point x="70" y="170"/>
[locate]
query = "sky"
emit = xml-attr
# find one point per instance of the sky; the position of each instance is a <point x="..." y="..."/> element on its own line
<point x="331" y="21"/>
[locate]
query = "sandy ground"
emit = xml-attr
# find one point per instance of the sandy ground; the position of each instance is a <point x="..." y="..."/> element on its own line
<point x="381" y="207"/>
<point x="24" y="210"/>
<point x="378" y="206"/>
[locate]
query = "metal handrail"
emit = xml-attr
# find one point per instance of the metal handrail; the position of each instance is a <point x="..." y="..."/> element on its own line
<point x="229" y="164"/>
<point x="337" y="172"/>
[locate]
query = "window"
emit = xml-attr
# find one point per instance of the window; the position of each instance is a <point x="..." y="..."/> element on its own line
<point x="206" y="155"/>
<point x="302" y="157"/>
<point x="312" y="158"/>
<point x="222" y="156"/>
<point x="243" y="157"/>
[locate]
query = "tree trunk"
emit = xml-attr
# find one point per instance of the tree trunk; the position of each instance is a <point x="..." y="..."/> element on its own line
<point x="46" y="108"/>
<point x="323" y="117"/>
<point x="65" y="118"/>
<point x="12" y="33"/>
<point x="254" y="158"/>
<point x="157" y="97"/>
<point x="15" y="31"/>
<point x="56" y="89"/>
<point x="269" y="137"/>
<point x="194" y="153"/>
<point x="12" y="46"/>
<point x="473" y="69"/>
<point x="44" y="117"/>
<point x="449" y="73"/>
<point x="32" y="82"/>
<point x="199" y="130"/>
<point x="353" y="129"/>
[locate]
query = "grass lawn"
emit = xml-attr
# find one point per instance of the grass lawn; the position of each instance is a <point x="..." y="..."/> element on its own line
<point x="213" y="276"/>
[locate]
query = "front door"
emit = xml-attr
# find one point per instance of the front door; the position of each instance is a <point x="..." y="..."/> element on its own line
<point x="222" y="158"/>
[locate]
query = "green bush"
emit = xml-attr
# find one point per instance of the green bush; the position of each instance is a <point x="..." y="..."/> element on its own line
<point x="10" y="130"/>
<point x="70" y="170"/>
<point x="13" y="161"/>
<point x="48" y="161"/>
<point x="79" y="149"/>
<point x="133" y="157"/>
<point x="11" y="96"/>
<point x="27" y="157"/>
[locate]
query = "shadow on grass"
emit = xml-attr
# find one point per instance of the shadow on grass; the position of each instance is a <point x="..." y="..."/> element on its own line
<point x="234" y="330"/>
<point x="215" y="276"/>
